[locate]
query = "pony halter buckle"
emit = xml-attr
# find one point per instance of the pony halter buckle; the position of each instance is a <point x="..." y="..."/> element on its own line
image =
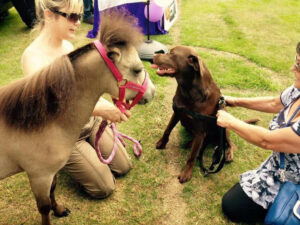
<point x="127" y="84"/>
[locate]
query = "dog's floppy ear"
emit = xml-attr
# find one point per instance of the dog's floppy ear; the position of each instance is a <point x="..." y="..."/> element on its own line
<point x="194" y="62"/>
<point x="204" y="72"/>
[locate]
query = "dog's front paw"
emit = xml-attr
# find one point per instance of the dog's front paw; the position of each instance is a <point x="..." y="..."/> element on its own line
<point x="229" y="155"/>
<point x="185" y="175"/>
<point x="61" y="211"/>
<point x="161" y="144"/>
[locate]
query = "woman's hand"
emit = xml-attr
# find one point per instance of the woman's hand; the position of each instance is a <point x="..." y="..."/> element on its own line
<point x="230" y="101"/>
<point x="114" y="115"/>
<point x="110" y="112"/>
<point x="224" y="119"/>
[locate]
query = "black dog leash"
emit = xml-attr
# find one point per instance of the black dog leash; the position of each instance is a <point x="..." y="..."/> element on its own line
<point x="218" y="157"/>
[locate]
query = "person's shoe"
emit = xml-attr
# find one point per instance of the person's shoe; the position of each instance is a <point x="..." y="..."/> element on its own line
<point x="89" y="20"/>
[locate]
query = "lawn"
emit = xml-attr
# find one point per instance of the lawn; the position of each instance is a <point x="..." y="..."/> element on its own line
<point x="248" y="46"/>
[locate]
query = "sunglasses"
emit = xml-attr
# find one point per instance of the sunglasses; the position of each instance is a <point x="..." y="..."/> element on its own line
<point x="72" y="17"/>
<point x="297" y="63"/>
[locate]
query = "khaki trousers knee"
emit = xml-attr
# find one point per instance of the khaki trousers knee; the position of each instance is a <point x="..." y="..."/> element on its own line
<point x="85" y="167"/>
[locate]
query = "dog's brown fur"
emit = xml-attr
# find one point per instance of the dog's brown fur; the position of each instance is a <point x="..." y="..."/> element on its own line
<point x="196" y="92"/>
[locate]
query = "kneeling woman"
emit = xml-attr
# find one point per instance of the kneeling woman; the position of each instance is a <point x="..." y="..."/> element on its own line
<point x="249" y="200"/>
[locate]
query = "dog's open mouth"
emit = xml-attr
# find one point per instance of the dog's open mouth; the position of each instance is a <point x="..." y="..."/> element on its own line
<point x="163" y="70"/>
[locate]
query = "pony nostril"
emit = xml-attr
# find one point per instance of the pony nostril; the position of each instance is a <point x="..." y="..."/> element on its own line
<point x="143" y="101"/>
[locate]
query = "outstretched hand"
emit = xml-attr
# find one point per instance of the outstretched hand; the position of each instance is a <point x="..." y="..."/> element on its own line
<point x="224" y="119"/>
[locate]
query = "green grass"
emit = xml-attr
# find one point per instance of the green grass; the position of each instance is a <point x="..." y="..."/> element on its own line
<point x="265" y="32"/>
<point x="248" y="47"/>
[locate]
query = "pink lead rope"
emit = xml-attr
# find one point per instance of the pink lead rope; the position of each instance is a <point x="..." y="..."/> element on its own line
<point x="117" y="135"/>
<point x="121" y="105"/>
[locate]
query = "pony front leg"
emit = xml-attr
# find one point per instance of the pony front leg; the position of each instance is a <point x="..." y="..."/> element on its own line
<point x="40" y="187"/>
<point x="59" y="210"/>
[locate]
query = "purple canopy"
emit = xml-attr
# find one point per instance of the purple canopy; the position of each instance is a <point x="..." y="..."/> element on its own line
<point x="136" y="9"/>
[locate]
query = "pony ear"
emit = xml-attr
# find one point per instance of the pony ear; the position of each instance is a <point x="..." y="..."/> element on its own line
<point x="194" y="62"/>
<point x="114" y="54"/>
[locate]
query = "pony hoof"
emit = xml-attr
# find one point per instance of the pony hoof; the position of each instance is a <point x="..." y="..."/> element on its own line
<point x="160" y="145"/>
<point x="65" y="213"/>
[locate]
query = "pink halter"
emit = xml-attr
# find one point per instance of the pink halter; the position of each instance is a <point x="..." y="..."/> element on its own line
<point x="128" y="84"/>
<point x="121" y="105"/>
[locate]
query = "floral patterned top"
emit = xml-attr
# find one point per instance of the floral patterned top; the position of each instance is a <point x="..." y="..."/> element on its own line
<point x="263" y="183"/>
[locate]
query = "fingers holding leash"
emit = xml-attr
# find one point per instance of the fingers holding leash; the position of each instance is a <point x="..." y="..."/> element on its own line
<point x="111" y="113"/>
<point x="127" y="115"/>
<point x="116" y="116"/>
<point x="224" y="119"/>
<point x="230" y="101"/>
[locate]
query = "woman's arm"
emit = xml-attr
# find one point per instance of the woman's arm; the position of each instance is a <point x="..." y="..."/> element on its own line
<point x="263" y="104"/>
<point x="108" y="111"/>
<point x="281" y="140"/>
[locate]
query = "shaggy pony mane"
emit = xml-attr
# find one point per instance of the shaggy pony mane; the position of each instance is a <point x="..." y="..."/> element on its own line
<point x="30" y="102"/>
<point x="118" y="27"/>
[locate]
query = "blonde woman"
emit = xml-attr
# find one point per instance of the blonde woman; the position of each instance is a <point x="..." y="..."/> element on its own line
<point x="58" y="21"/>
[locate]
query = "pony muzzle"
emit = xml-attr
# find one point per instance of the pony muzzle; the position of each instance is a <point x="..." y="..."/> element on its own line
<point x="124" y="104"/>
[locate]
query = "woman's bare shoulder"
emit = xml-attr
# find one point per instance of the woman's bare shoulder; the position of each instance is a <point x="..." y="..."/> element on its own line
<point x="67" y="46"/>
<point x="32" y="60"/>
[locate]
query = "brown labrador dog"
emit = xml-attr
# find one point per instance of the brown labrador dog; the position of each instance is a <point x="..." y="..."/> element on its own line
<point x="197" y="93"/>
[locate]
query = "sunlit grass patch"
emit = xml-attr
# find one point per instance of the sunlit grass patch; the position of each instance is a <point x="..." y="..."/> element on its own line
<point x="263" y="31"/>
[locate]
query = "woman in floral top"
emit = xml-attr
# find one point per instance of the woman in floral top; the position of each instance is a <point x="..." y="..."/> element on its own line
<point x="249" y="200"/>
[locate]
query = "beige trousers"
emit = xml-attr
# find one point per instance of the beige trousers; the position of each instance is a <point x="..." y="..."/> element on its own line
<point x="85" y="167"/>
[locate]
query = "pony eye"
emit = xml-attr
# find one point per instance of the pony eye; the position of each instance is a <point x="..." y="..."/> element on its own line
<point x="137" y="71"/>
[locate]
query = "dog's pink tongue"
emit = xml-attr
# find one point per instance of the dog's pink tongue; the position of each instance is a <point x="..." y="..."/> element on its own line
<point x="154" y="66"/>
<point x="160" y="72"/>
